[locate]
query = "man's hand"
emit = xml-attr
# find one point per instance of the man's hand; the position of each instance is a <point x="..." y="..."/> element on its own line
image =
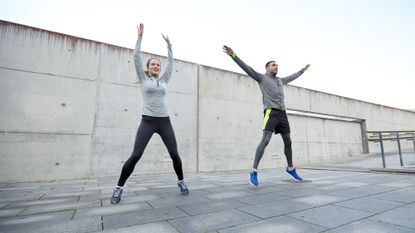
<point x="140" y="29"/>
<point x="227" y="50"/>
<point x="306" y="67"/>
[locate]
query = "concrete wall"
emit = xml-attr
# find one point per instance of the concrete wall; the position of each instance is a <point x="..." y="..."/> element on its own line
<point x="68" y="110"/>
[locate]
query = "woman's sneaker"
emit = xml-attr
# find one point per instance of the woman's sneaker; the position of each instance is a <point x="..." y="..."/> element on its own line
<point x="183" y="188"/>
<point x="116" y="196"/>
<point x="293" y="174"/>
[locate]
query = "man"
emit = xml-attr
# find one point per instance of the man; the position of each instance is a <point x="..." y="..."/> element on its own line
<point x="275" y="116"/>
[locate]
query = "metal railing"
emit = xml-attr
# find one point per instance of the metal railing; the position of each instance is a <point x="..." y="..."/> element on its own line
<point x="381" y="136"/>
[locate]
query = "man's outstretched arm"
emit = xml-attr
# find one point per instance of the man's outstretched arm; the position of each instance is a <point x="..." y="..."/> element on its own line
<point x="248" y="70"/>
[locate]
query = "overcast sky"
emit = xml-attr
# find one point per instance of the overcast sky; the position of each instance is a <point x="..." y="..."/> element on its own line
<point x="362" y="49"/>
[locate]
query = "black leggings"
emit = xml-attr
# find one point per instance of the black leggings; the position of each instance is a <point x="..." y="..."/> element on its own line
<point x="148" y="126"/>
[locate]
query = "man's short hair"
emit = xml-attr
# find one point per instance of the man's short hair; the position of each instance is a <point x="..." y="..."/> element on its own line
<point x="266" y="65"/>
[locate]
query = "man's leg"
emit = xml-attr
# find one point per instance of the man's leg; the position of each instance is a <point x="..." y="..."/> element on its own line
<point x="287" y="149"/>
<point x="289" y="156"/>
<point x="266" y="137"/>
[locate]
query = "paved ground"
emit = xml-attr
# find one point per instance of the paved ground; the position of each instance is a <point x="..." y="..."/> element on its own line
<point x="372" y="162"/>
<point x="330" y="201"/>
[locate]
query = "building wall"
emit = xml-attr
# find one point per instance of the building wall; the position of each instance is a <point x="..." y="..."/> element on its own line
<point x="69" y="110"/>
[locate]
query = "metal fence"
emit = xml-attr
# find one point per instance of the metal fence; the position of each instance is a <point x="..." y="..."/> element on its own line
<point x="381" y="136"/>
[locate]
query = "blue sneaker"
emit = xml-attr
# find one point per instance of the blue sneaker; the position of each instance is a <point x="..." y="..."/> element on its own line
<point x="253" y="179"/>
<point x="294" y="175"/>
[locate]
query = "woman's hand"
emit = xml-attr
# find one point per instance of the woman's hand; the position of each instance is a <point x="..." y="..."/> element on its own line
<point x="140" y="29"/>
<point x="166" y="38"/>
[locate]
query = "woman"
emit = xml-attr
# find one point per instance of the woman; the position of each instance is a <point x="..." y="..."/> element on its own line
<point x="155" y="118"/>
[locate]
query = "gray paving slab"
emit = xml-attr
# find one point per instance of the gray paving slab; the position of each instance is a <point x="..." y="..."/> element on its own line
<point x="33" y="222"/>
<point x="224" y="195"/>
<point x="272" y="225"/>
<point x="156" y="227"/>
<point x="91" y="224"/>
<point x="42" y="202"/>
<point x="208" y="207"/>
<point x="178" y="196"/>
<point x="370" y="204"/>
<point x="111" y="210"/>
<point x="353" y="184"/>
<point x="9" y="212"/>
<point x="402" y="195"/>
<point x="273" y="209"/>
<point x="179" y="200"/>
<point x="330" y="216"/>
<point x="400" y="216"/>
<point x="27" y="188"/>
<point x="300" y="192"/>
<point x="59" y="207"/>
<point x="142" y="217"/>
<point x="55" y="194"/>
<point x="212" y="221"/>
<point x="22" y="197"/>
<point x="131" y="200"/>
<point x="318" y="200"/>
<point x="68" y="188"/>
<point x="400" y="184"/>
<point x="261" y="198"/>
<point x="371" y="226"/>
<point x="412" y="205"/>
<point x="363" y="191"/>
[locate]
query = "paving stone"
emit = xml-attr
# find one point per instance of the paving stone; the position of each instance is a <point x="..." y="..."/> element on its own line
<point x="111" y="210"/>
<point x="369" y="204"/>
<point x="23" y="197"/>
<point x="362" y="191"/>
<point x="42" y="202"/>
<point x="398" y="184"/>
<point x="318" y="200"/>
<point x="257" y="199"/>
<point x="212" y="221"/>
<point x="208" y="207"/>
<point x="353" y="184"/>
<point x="272" y="225"/>
<point x="402" y="195"/>
<point x="32" y="223"/>
<point x="273" y="209"/>
<point x="179" y="200"/>
<point x="59" y="207"/>
<point x="141" y="217"/>
<point x="225" y="195"/>
<point x="370" y="226"/>
<point x="330" y="216"/>
<point x="10" y="212"/>
<point x="156" y="227"/>
<point x="400" y="216"/>
<point x="131" y="200"/>
<point x="300" y="192"/>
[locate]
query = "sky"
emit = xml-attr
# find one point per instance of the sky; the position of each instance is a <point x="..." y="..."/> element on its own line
<point x="361" y="49"/>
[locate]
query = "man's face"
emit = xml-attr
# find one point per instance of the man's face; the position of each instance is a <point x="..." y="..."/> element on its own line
<point x="272" y="68"/>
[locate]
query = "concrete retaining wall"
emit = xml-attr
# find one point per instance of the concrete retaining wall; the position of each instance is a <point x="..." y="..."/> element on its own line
<point x="69" y="110"/>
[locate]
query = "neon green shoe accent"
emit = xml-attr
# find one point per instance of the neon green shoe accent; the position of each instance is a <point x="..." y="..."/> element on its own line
<point x="266" y="117"/>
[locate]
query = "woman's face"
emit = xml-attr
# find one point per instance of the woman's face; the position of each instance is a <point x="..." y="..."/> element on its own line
<point x="154" y="67"/>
